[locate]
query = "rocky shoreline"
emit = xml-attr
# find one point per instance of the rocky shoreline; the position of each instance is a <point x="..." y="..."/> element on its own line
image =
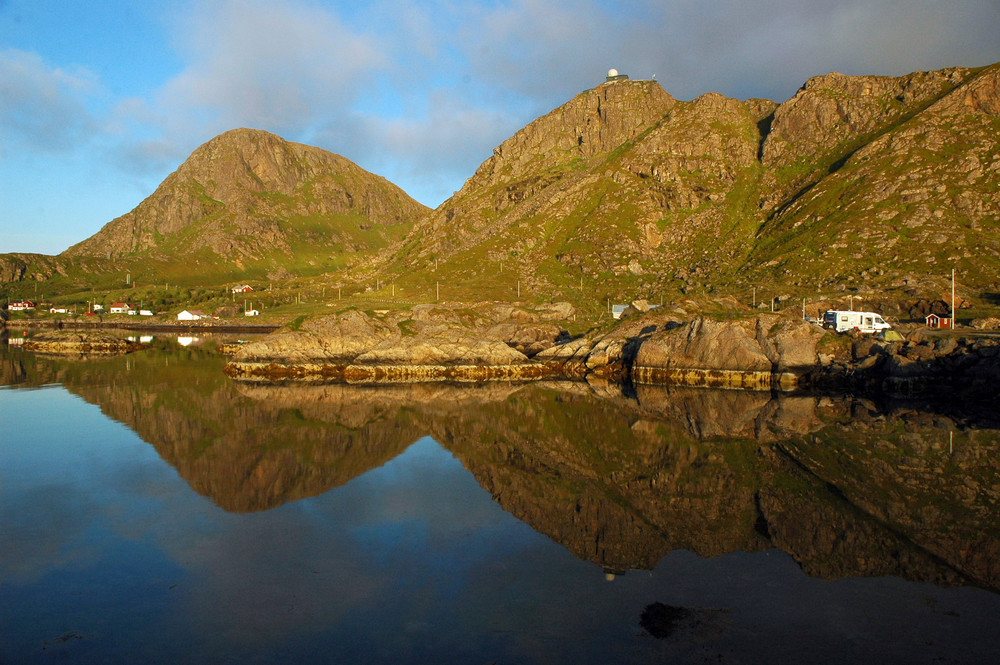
<point x="219" y="326"/>
<point x="502" y="342"/>
<point x="490" y="341"/>
<point x="71" y="343"/>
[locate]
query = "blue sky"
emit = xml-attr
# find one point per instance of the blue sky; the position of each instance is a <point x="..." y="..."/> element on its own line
<point x="99" y="101"/>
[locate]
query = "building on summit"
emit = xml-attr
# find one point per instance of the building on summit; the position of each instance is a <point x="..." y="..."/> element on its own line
<point x="613" y="76"/>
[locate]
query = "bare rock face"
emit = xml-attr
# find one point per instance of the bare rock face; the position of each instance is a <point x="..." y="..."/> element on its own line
<point x="705" y="344"/>
<point x="12" y="269"/>
<point x="757" y="353"/>
<point x="594" y="122"/>
<point x="834" y="108"/>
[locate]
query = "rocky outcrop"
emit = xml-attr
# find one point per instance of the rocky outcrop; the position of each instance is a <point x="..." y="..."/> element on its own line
<point x="762" y="352"/>
<point x="948" y="365"/>
<point x="80" y="343"/>
<point x="427" y="343"/>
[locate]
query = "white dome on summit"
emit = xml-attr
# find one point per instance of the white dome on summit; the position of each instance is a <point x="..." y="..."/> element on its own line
<point x="612" y="72"/>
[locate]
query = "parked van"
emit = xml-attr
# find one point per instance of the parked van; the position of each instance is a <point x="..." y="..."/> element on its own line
<point x="866" y="322"/>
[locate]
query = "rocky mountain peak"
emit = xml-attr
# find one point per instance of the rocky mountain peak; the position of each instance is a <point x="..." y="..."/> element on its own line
<point x="834" y="108"/>
<point x="594" y="122"/>
<point x="248" y="193"/>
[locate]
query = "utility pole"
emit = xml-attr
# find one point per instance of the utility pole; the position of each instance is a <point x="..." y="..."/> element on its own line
<point x="952" y="298"/>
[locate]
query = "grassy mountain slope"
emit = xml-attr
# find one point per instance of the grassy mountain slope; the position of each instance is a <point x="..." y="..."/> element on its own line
<point x="857" y="182"/>
<point x="251" y="204"/>
<point x="916" y="200"/>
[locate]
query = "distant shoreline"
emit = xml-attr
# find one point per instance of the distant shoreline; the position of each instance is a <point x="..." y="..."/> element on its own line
<point x="159" y="326"/>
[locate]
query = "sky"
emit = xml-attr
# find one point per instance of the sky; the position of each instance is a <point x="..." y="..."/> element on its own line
<point x="101" y="100"/>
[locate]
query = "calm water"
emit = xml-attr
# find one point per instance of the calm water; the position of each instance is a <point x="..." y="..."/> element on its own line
<point x="153" y="511"/>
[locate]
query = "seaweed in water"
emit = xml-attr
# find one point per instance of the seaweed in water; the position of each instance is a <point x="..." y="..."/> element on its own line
<point x="661" y="620"/>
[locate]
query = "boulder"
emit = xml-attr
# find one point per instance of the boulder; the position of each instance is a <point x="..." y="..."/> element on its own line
<point x="335" y="338"/>
<point x="705" y="344"/>
<point x="766" y="343"/>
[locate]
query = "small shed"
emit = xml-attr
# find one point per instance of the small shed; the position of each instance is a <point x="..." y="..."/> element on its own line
<point x="193" y="315"/>
<point x="935" y="321"/>
<point x="251" y="312"/>
<point x="617" y="310"/>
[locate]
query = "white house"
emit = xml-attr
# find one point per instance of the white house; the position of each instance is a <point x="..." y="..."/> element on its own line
<point x="251" y="312"/>
<point x="21" y="305"/>
<point x="193" y="315"/>
<point x="57" y="310"/>
<point x="120" y="308"/>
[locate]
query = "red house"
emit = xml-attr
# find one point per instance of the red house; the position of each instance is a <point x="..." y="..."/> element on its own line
<point x="935" y="321"/>
<point x="21" y="305"/>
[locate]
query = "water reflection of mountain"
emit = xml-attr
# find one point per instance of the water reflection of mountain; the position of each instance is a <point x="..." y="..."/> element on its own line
<point x="245" y="455"/>
<point x="844" y="486"/>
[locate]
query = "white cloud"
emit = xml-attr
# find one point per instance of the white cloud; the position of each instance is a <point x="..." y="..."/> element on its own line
<point x="270" y="65"/>
<point x="430" y="153"/>
<point x="42" y="108"/>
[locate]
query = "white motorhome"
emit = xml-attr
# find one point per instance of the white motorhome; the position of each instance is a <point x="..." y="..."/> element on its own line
<point x="866" y="322"/>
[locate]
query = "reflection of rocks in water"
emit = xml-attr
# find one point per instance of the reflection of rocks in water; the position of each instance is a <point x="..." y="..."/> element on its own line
<point x="622" y="488"/>
<point x="12" y="371"/>
<point x="613" y="487"/>
<point x="921" y="482"/>
<point x="707" y="414"/>
<point x="844" y="487"/>
<point x="354" y="406"/>
<point x="17" y="368"/>
<point x="244" y="455"/>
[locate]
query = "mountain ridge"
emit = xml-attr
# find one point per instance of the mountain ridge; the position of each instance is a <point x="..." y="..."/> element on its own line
<point x="853" y="184"/>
